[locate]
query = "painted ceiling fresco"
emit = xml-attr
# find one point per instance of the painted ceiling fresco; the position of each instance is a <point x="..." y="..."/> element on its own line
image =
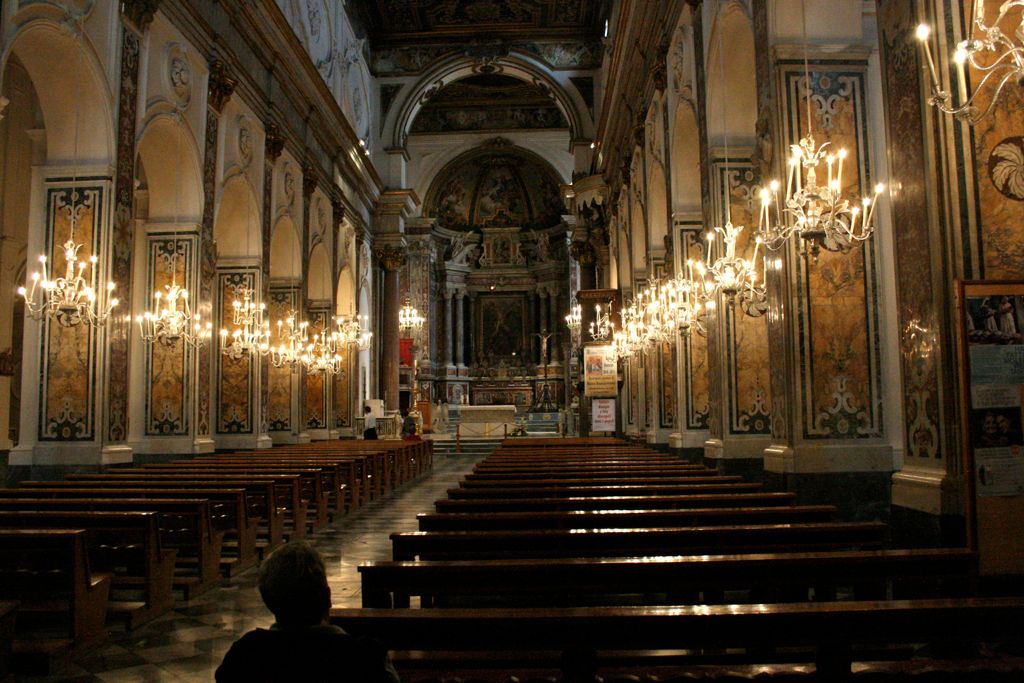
<point x="488" y="102"/>
<point x="495" y="186"/>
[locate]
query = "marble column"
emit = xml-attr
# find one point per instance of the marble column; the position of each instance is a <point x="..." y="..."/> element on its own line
<point x="531" y="325"/>
<point x="555" y="317"/>
<point x="392" y="259"/>
<point x="460" y="328"/>
<point x="471" y="319"/>
<point x="449" y="335"/>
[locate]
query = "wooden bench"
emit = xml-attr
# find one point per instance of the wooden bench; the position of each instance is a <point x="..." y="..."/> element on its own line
<point x="760" y="499"/>
<point x="62" y="602"/>
<point x="629" y="519"/>
<point x="626" y="479"/>
<point x="695" y="579"/>
<point x="517" y="478"/>
<point x="190" y="531"/>
<point x="124" y="544"/>
<point x="751" y="538"/>
<point x="8" y="612"/>
<point x="585" y="641"/>
<point x="609" y="490"/>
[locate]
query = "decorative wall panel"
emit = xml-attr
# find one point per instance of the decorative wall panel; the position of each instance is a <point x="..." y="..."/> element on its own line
<point x="746" y="338"/>
<point x="168" y="385"/>
<point x="234" y="375"/>
<point x="838" y="301"/>
<point x="283" y="300"/>
<point x="316" y="399"/>
<point x="342" y="393"/>
<point x="667" y="409"/>
<point x="695" y="347"/>
<point x="68" y="390"/>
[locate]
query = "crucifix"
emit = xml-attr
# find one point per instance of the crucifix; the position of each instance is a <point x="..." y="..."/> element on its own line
<point x="544" y="400"/>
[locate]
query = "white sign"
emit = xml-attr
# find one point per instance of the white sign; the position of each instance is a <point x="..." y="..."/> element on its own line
<point x="602" y="415"/>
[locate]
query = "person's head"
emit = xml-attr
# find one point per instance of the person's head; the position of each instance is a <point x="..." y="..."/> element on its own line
<point x="367" y="410"/>
<point x="293" y="584"/>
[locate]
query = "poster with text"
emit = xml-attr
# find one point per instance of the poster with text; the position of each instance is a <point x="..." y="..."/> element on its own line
<point x="599" y="371"/>
<point x="602" y="415"/>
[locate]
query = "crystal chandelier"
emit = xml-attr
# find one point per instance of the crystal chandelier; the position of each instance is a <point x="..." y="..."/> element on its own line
<point x="251" y="333"/>
<point x="321" y="355"/>
<point x="574" y="321"/>
<point x="631" y="337"/>
<point x="723" y="272"/>
<point x="409" y="319"/>
<point x="352" y="332"/>
<point x="292" y="337"/>
<point x="602" y="327"/>
<point x="818" y="213"/>
<point x="686" y="311"/>
<point x="173" y="320"/>
<point x="997" y="56"/>
<point x="74" y="298"/>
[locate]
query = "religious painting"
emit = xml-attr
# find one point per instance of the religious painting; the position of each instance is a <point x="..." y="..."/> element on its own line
<point x="501" y="328"/>
<point x="283" y="300"/>
<point x="840" y="374"/>
<point x="67" y="393"/>
<point x="167" y="395"/>
<point x="234" y="374"/>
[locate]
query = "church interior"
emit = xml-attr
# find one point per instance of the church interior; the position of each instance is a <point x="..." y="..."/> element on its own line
<point x="586" y="340"/>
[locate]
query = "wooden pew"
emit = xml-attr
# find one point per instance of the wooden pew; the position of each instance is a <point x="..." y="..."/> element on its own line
<point x="630" y="519"/>
<point x="758" y="577"/>
<point x="684" y="501"/>
<point x="124" y="544"/>
<point x="47" y="572"/>
<point x="590" y="640"/>
<point x="626" y="479"/>
<point x="517" y="478"/>
<point x="609" y="490"/>
<point x="751" y="538"/>
<point x="8" y="613"/>
<point x="191" y="531"/>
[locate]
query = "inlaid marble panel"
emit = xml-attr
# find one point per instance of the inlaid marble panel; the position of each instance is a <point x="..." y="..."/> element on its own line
<point x="234" y="375"/>
<point x="282" y="301"/>
<point x="67" y="392"/>
<point x="315" y="399"/>
<point x="695" y="347"/>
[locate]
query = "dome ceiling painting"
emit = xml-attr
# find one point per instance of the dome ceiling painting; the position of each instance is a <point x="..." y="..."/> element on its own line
<point x="496" y="185"/>
<point x="488" y="102"/>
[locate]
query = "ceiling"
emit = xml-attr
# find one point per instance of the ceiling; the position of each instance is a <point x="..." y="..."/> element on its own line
<point x="403" y="22"/>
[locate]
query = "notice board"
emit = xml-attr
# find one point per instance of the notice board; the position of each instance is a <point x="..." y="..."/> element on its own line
<point x="991" y="322"/>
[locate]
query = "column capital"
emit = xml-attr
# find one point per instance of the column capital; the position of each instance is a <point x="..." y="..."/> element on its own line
<point x="391" y="256"/>
<point x="222" y="85"/>
<point x="140" y="12"/>
<point x="274" y="143"/>
<point x="309" y="181"/>
<point x="400" y="202"/>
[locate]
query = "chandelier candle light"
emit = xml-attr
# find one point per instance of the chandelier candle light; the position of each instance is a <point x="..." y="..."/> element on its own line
<point x="409" y="319"/>
<point x="1003" y="61"/>
<point x="293" y="338"/>
<point x="251" y="333"/>
<point x="574" y="321"/>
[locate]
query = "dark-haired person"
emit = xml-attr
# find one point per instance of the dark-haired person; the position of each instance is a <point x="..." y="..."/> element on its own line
<point x="302" y="645"/>
<point x="369" y="424"/>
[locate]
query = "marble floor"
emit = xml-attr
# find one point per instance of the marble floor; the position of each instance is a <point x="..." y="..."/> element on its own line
<point x="188" y="643"/>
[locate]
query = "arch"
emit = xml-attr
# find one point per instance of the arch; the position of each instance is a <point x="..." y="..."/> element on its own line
<point x="173" y="172"/>
<point x="685" y="160"/>
<point x="731" y="68"/>
<point x="72" y="91"/>
<point x="345" y="299"/>
<point x="319" y="285"/>
<point x="236" y="229"/>
<point x="285" y="251"/>
<point x="517" y="65"/>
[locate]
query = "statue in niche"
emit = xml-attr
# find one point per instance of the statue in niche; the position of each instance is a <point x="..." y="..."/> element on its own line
<point x="542" y="246"/>
<point x="462" y="252"/>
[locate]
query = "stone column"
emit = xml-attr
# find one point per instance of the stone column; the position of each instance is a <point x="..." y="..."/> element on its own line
<point x="449" y="334"/>
<point x="471" y="317"/>
<point x="531" y="325"/>
<point x="392" y="259"/>
<point x="460" y="328"/>
<point x="555" y="326"/>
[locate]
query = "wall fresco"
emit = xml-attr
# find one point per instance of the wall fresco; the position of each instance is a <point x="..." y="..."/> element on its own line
<point x="746" y="338"/>
<point x="838" y="343"/>
<point x="282" y="301"/>
<point x="234" y="375"/>
<point x="67" y="393"/>
<point x="167" y="388"/>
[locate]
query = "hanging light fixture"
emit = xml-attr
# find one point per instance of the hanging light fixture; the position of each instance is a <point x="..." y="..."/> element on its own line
<point x="353" y="332"/>
<point x="292" y="336"/>
<point x="602" y="327"/>
<point x="998" y="57"/>
<point x="78" y="296"/>
<point x="251" y="333"/>
<point x="819" y="213"/>
<point x="172" y="319"/>
<point x="409" y="319"/>
<point x="574" y="321"/>
<point x="321" y="355"/>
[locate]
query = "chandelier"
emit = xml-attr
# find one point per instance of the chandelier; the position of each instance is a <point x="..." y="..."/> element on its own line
<point x="74" y="298"/>
<point x="251" y="334"/>
<point x="989" y="51"/>
<point x="817" y="212"/>
<point x="292" y="339"/>
<point x="352" y="332"/>
<point x="602" y="327"/>
<point x="574" y="321"/>
<point x="321" y="355"/>
<point x="409" y="319"/>
<point x="683" y="302"/>
<point x="723" y="272"/>
<point x="172" y="320"/>
<point x="631" y="338"/>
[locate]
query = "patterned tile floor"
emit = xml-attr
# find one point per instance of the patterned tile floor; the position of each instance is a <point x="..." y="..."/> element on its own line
<point x="188" y="643"/>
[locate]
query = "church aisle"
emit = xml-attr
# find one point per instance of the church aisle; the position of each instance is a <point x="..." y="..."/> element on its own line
<point x="188" y="643"/>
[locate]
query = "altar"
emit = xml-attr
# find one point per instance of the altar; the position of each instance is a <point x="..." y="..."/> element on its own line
<point x="486" y="420"/>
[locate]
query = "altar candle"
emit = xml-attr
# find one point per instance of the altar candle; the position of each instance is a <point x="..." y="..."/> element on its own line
<point x="842" y="155"/>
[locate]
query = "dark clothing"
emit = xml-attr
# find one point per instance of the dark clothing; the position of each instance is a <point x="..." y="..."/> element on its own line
<point x="408" y="426"/>
<point x="370" y="434"/>
<point x="319" y="654"/>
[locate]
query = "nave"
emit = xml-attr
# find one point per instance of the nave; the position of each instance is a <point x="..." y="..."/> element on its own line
<point x="188" y="643"/>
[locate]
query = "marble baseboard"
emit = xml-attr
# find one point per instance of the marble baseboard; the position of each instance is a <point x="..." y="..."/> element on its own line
<point x="916" y="529"/>
<point x="751" y="469"/>
<point x="858" y="496"/>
